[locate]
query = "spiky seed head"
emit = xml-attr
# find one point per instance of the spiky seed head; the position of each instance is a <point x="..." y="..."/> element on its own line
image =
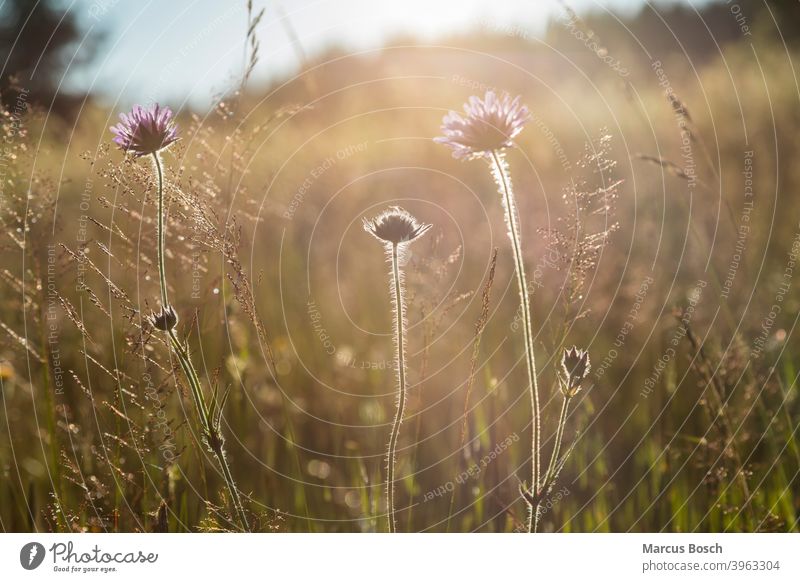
<point x="165" y="320"/>
<point x="145" y="131"/>
<point x="490" y="125"/>
<point x="395" y="226"/>
<point x="575" y="367"/>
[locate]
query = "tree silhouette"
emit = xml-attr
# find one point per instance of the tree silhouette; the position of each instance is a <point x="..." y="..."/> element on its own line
<point x="38" y="39"/>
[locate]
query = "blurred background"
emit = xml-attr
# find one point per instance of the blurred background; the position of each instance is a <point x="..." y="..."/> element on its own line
<point x="654" y="182"/>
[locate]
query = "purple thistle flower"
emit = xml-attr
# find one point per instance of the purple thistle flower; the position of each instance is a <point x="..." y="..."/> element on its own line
<point x="145" y="131"/>
<point x="490" y="125"/>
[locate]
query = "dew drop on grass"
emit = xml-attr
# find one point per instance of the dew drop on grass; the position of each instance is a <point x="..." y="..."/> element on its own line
<point x="319" y="469"/>
<point x="352" y="499"/>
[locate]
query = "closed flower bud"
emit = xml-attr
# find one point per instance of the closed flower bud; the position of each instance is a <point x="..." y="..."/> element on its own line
<point x="575" y="367"/>
<point x="165" y="320"/>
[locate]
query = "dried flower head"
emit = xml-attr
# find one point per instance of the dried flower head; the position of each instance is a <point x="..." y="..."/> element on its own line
<point x="395" y="226"/>
<point x="490" y="125"/>
<point x="165" y="320"/>
<point x="145" y="131"/>
<point x="575" y="366"/>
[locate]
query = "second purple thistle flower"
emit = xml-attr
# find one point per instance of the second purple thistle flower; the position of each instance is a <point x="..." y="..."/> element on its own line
<point x="490" y="124"/>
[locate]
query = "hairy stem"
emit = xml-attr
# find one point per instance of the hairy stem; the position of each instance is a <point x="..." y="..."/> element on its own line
<point x="208" y="423"/>
<point x="399" y="320"/>
<point x="161" y="234"/>
<point x="501" y="176"/>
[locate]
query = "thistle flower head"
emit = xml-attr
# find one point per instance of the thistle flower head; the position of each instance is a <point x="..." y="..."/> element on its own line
<point x="490" y="125"/>
<point x="575" y="367"/>
<point x="395" y="226"/>
<point x="145" y="131"/>
<point x="165" y="320"/>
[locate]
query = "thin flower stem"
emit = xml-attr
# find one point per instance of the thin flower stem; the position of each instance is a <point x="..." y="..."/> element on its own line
<point x="161" y="234"/>
<point x="562" y="421"/>
<point x="208" y="424"/>
<point x="500" y="173"/>
<point x="551" y="469"/>
<point x="401" y="375"/>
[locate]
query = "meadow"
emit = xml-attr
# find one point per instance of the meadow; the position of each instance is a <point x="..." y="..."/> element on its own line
<point x="655" y="202"/>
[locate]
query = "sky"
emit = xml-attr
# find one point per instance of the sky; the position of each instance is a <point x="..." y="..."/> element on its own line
<point x="186" y="51"/>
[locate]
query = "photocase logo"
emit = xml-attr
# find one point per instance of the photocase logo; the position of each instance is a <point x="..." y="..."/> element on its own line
<point x="31" y="555"/>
